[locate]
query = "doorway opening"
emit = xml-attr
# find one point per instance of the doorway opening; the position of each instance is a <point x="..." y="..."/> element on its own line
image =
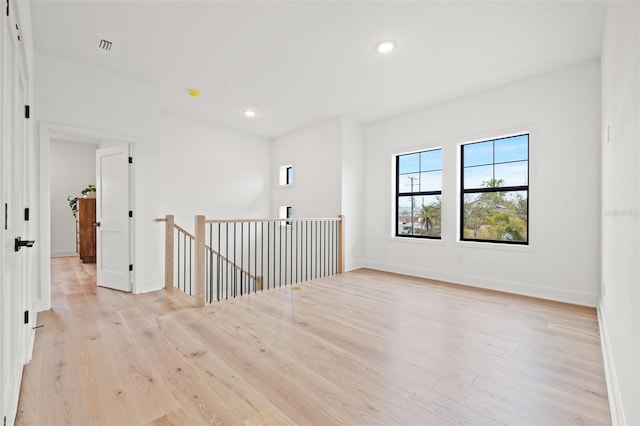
<point x="73" y="159"/>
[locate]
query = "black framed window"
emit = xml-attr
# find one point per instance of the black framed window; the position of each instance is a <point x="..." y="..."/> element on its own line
<point x="495" y="190"/>
<point x="289" y="172"/>
<point x="418" y="194"/>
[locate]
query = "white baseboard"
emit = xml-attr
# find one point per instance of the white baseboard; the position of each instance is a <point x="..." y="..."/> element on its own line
<point x="351" y="266"/>
<point x="523" y="289"/>
<point x="613" y="388"/>
<point x="148" y="286"/>
<point x="63" y="253"/>
<point x="41" y="305"/>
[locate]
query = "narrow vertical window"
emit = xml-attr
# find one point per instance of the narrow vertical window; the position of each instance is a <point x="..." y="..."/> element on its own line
<point x="289" y="175"/>
<point x="495" y="190"/>
<point x="418" y="194"/>
<point x="285" y="177"/>
<point x="286" y="212"/>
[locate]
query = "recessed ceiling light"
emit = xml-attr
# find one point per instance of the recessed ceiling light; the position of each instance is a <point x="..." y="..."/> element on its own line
<point x="193" y="92"/>
<point x="386" y="47"/>
<point x="250" y="113"/>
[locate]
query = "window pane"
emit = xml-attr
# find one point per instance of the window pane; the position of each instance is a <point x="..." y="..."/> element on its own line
<point x="405" y="215"/>
<point x="478" y="177"/>
<point x="419" y="216"/>
<point x="409" y="163"/>
<point x="496" y="216"/>
<point x="515" y="148"/>
<point x="431" y="160"/>
<point x="431" y="181"/>
<point x="409" y="182"/>
<point x="513" y="174"/>
<point x="478" y="153"/>
<point x="289" y="175"/>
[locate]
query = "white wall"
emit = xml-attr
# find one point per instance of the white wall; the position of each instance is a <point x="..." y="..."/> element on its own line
<point x="327" y="161"/>
<point x="84" y="96"/>
<point x="72" y="166"/>
<point x="620" y="298"/>
<point x="562" y="109"/>
<point x="208" y="170"/>
<point x="316" y="155"/>
<point x="352" y="194"/>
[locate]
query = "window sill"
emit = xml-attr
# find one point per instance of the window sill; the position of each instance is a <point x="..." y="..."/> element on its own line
<point x="410" y="240"/>
<point x="495" y="246"/>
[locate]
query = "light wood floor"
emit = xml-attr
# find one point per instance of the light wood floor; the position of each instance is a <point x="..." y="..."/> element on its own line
<point x="363" y="348"/>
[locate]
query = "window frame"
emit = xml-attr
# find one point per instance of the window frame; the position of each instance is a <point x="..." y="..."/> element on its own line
<point x="286" y="212"/>
<point x="285" y="179"/>
<point x="398" y="194"/>
<point x="513" y="188"/>
<point x="288" y="175"/>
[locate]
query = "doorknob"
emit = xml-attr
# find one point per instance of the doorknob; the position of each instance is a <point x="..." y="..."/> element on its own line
<point x="19" y="243"/>
<point x="96" y="224"/>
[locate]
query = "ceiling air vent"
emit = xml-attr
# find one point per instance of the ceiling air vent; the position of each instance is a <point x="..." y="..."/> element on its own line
<point x="104" y="44"/>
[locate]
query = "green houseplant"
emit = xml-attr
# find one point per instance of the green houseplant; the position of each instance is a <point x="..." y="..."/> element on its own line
<point x="73" y="201"/>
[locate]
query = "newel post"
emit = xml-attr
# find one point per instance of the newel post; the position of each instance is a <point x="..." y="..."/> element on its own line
<point x="340" y="244"/>
<point x="168" y="252"/>
<point x="199" y="266"/>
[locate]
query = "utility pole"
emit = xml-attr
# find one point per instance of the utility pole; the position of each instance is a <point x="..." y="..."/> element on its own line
<point x="412" y="179"/>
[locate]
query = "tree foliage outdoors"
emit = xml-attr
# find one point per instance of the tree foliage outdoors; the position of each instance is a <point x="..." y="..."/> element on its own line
<point x="495" y="215"/>
<point x="426" y="218"/>
<point x="430" y="217"/>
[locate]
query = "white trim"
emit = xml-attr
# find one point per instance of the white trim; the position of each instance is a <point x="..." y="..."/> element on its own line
<point x="282" y="173"/>
<point x="531" y="131"/>
<point x="63" y="253"/>
<point x="353" y="265"/>
<point x="417" y="240"/>
<point x="524" y="289"/>
<point x="148" y="286"/>
<point x="46" y="132"/>
<point x="613" y="387"/>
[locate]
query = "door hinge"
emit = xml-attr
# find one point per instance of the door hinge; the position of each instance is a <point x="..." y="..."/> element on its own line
<point x="130" y="160"/>
<point x="130" y="267"/>
<point x="26" y="317"/>
<point x="130" y="213"/>
<point x="27" y="111"/>
<point x="26" y="214"/>
<point x="6" y="216"/>
<point x="5" y="419"/>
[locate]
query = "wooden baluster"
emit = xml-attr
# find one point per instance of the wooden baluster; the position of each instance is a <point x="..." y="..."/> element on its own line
<point x="341" y="244"/>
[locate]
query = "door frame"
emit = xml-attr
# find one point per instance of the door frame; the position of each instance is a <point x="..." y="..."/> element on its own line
<point x="46" y="132"/>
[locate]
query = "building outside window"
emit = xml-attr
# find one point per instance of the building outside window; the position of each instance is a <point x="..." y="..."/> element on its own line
<point x="418" y="194"/>
<point x="495" y="190"/>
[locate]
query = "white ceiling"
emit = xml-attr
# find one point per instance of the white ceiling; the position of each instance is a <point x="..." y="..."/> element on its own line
<point x="302" y="62"/>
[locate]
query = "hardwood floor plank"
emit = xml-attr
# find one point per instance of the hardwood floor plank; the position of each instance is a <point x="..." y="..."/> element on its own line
<point x="174" y="418"/>
<point x="385" y="380"/>
<point x="197" y="398"/>
<point x="366" y="347"/>
<point x="137" y="372"/>
<point x="266" y="380"/>
<point x="339" y="393"/>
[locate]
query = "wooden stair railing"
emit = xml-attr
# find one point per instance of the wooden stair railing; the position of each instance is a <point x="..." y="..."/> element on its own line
<point x="333" y="244"/>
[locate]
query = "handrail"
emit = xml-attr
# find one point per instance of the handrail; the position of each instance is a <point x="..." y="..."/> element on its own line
<point x="188" y="234"/>
<point x="291" y="219"/>
<point x="306" y="249"/>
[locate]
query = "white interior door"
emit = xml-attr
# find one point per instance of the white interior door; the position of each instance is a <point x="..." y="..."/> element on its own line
<point x="112" y="217"/>
<point x="15" y="300"/>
